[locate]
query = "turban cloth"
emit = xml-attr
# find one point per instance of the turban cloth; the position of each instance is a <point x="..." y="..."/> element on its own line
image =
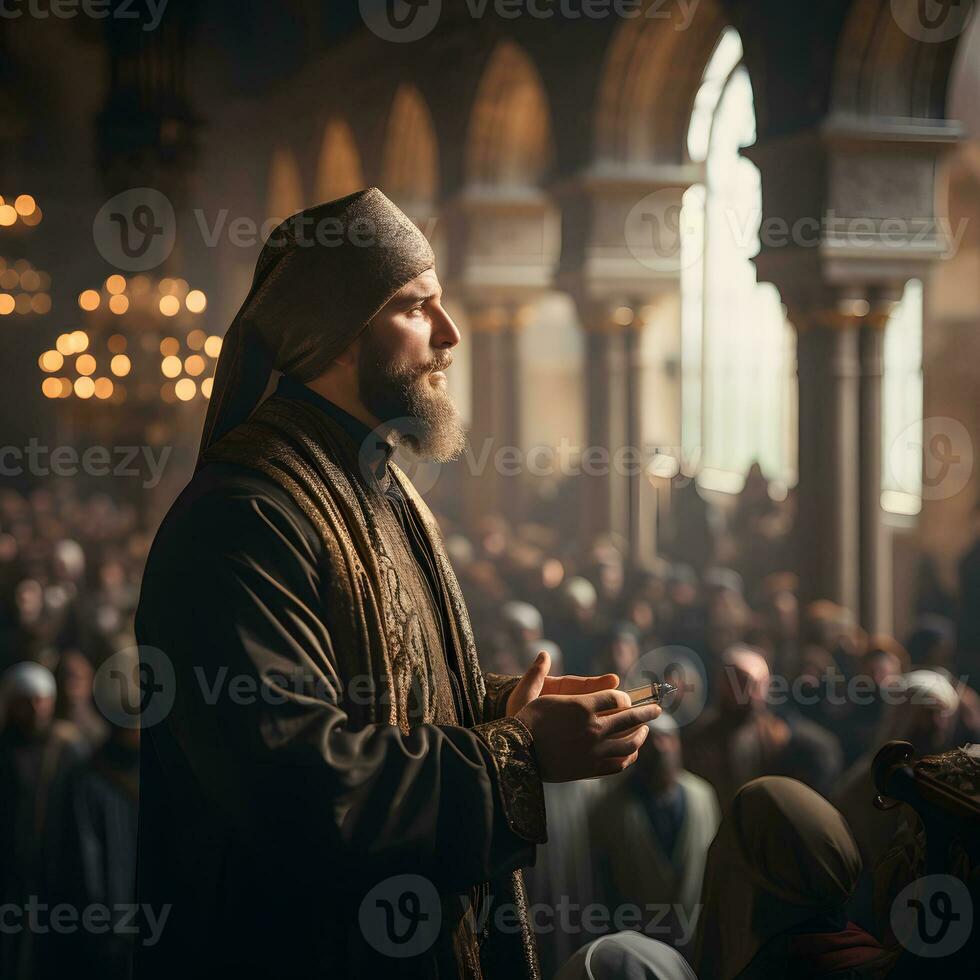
<point x="321" y="277"/>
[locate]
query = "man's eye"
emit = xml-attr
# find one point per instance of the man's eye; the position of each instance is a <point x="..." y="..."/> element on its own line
<point x="415" y="310"/>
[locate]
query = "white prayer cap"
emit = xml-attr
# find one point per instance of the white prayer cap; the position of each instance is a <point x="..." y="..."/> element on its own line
<point x="522" y="615"/>
<point x="28" y="680"/>
<point x="928" y="685"/>
<point x="581" y="591"/>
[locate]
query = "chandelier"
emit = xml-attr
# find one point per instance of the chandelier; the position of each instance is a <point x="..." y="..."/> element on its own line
<point x="141" y="340"/>
<point x="24" y="290"/>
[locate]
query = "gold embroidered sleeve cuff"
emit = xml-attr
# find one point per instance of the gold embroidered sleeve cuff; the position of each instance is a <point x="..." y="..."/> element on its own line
<point x="521" y="790"/>
<point x="498" y="688"/>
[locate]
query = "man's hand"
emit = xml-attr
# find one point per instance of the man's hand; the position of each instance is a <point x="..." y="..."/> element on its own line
<point x="575" y="739"/>
<point x="536" y="682"/>
<point x="571" y="740"/>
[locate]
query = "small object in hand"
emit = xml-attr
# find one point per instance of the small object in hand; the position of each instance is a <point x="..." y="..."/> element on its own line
<point x="647" y="694"/>
<point x="651" y="693"/>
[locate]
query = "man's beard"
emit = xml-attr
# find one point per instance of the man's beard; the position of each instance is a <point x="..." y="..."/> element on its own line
<point x="422" y="415"/>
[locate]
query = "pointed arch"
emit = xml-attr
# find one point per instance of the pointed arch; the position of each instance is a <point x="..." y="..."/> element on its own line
<point x="284" y="194"/>
<point x="890" y="63"/>
<point x="410" y="159"/>
<point x="509" y="142"/>
<point x="651" y="75"/>
<point x="338" y="171"/>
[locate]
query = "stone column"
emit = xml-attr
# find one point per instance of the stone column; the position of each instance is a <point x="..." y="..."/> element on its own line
<point x="872" y="368"/>
<point x="496" y="411"/>
<point x="874" y="562"/>
<point x="621" y="251"/>
<point x="827" y="525"/>
<point x="612" y="459"/>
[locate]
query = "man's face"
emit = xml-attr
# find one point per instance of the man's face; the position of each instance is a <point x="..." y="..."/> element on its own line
<point x="402" y="355"/>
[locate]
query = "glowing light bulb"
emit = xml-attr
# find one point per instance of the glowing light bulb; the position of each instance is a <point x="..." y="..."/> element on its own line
<point x="89" y="300"/>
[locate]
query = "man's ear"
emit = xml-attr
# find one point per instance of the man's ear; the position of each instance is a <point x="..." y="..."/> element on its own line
<point x="348" y="357"/>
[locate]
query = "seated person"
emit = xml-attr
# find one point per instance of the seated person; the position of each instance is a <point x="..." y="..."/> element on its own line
<point x="651" y="830"/>
<point x="778" y="874"/>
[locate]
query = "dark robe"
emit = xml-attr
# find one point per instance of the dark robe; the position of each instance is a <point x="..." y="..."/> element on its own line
<point x="330" y="728"/>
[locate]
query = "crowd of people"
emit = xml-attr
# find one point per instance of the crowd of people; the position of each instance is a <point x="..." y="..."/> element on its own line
<point x="770" y="689"/>
<point x="744" y="838"/>
<point x="69" y="778"/>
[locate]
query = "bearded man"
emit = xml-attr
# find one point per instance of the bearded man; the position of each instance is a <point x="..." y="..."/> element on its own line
<point x="337" y="790"/>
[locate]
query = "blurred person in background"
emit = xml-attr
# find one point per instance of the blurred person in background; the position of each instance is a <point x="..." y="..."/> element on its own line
<point x="74" y="675"/>
<point x="101" y="816"/>
<point x="650" y="833"/>
<point x="576" y="628"/>
<point x="778" y="876"/>
<point x="932" y="642"/>
<point x="743" y="737"/>
<point x="685" y="623"/>
<point x="522" y="625"/>
<point x="689" y="533"/>
<point x="619" y="651"/>
<point x="920" y="708"/>
<point x="38" y="757"/>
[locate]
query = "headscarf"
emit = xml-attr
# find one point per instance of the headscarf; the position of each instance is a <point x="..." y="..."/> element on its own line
<point x="321" y="277"/>
<point x="626" y="956"/>
<point x="783" y="855"/>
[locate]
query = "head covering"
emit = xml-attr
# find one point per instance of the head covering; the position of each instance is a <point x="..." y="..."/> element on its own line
<point x="580" y="591"/>
<point x="522" y="616"/>
<point x="626" y="954"/>
<point x="782" y="855"/>
<point x="908" y="696"/>
<point x="321" y="277"/>
<point x="726" y="579"/>
<point x="27" y="680"/>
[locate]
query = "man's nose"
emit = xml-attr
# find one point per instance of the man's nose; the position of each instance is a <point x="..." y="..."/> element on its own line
<point x="445" y="333"/>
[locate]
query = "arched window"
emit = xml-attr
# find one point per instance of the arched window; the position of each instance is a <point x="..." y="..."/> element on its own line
<point x="901" y="428"/>
<point x="738" y="349"/>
